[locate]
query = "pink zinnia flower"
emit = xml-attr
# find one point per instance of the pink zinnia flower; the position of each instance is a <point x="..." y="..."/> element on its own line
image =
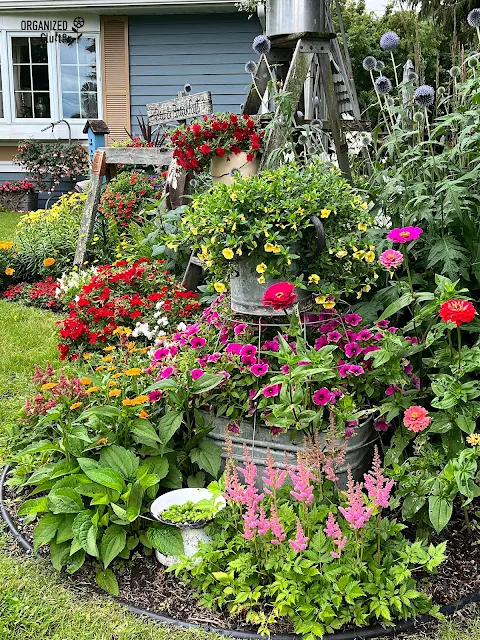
<point x="196" y="373"/>
<point x="259" y="370"/>
<point x="405" y="234"/>
<point x="272" y="390"/>
<point x="416" y="419"/>
<point x="322" y="397"/>
<point x="390" y="259"/>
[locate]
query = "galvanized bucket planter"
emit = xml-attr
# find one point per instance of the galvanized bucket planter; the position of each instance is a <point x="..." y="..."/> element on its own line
<point x="358" y="457"/>
<point x="285" y="17"/>
<point x="223" y="168"/>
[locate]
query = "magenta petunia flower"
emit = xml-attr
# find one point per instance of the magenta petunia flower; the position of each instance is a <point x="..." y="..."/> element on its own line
<point x="197" y="342"/>
<point x="405" y="234"/>
<point x="320" y="342"/>
<point x="390" y="259"/>
<point x="353" y="319"/>
<point x="270" y="345"/>
<point x="234" y="348"/>
<point x="383" y="324"/>
<point x="154" y="396"/>
<point x="160" y="354"/>
<point x="240" y="328"/>
<point x="285" y="369"/>
<point x="248" y="360"/>
<point x="214" y="357"/>
<point x="196" y="373"/>
<point x="322" y="397"/>
<point x="233" y="428"/>
<point x="356" y="370"/>
<point x="364" y="335"/>
<point x="381" y="425"/>
<point x="167" y="373"/>
<point x="352" y="349"/>
<point x="272" y="390"/>
<point x="334" y="336"/>
<point x="249" y="350"/>
<point x="259" y="370"/>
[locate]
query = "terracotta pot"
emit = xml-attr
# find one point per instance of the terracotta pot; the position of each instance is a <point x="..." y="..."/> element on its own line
<point x="221" y="168"/>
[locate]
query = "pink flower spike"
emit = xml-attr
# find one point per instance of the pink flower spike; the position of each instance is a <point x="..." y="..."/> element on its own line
<point x="377" y="485"/>
<point x="302" y="489"/>
<point x="276" y="528"/>
<point x="300" y="542"/>
<point x="333" y="531"/>
<point x="356" y="514"/>
<point x="405" y="234"/>
<point x="273" y="477"/>
<point x="390" y="259"/>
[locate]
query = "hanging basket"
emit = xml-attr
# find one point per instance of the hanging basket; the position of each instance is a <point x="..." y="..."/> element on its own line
<point x="223" y="168"/>
<point x="285" y="17"/>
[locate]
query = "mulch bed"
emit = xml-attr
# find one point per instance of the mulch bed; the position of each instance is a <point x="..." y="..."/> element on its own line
<point x="144" y="583"/>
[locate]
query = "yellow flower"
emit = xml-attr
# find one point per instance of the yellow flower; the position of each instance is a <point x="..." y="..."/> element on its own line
<point x="48" y="385"/>
<point x="219" y="287"/>
<point x="239" y="251"/>
<point x="110" y="348"/>
<point x="261" y="280"/>
<point x="233" y="196"/>
<point x="112" y="367"/>
<point x="269" y="247"/>
<point x="300" y="211"/>
<point x="261" y="268"/>
<point x="113" y="393"/>
<point x="92" y="390"/>
<point x="321" y="299"/>
<point x="194" y="231"/>
<point x="369" y="256"/>
<point x="132" y="402"/>
<point x="117" y="375"/>
<point x="364" y="206"/>
<point x="359" y="294"/>
<point x="76" y="405"/>
<point x="362" y="226"/>
<point x="133" y="372"/>
<point x="358" y="253"/>
<point x="324" y="213"/>
<point x="342" y="253"/>
<point x="314" y="278"/>
<point x="375" y="275"/>
<point x="5" y="244"/>
<point x="86" y="382"/>
<point x="330" y="304"/>
<point x="228" y="254"/>
<point x="143" y="414"/>
<point x="277" y="249"/>
<point x="366" y="288"/>
<point x="474" y="439"/>
<point x="107" y="359"/>
<point x="86" y="356"/>
<point x="48" y="262"/>
<point x="100" y="368"/>
<point x="9" y="271"/>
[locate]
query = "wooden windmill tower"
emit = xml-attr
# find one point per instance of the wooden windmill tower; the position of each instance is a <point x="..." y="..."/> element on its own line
<point x="306" y="56"/>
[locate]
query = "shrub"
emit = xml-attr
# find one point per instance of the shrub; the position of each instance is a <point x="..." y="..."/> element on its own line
<point x="117" y="299"/>
<point x="126" y="194"/>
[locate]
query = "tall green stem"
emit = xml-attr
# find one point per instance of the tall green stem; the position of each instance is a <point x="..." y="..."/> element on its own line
<point x="459" y="337"/>
<point x="394" y="67"/>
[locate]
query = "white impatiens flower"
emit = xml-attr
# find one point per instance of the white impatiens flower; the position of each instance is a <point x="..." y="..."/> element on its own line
<point x="162" y="322"/>
<point x="142" y="329"/>
<point x="181" y="326"/>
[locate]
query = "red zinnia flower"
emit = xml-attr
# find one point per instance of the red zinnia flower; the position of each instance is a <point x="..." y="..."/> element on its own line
<point x="457" y="311"/>
<point x="279" y="296"/>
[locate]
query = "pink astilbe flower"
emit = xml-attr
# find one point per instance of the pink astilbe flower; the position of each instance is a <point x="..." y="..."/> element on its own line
<point x="273" y="477"/>
<point x="356" y="514"/>
<point x="301" y="476"/>
<point x="390" y="259"/>
<point x="300" y="542"/>
<point x="377" y="485"/>
<point x="276" y="528"/>
<point x="250" y="522"/>
<point x="333" y="531"/>
<point x="263" y="523"/>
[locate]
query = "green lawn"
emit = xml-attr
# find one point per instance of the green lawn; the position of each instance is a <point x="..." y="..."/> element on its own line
<point x="8" y="222"/>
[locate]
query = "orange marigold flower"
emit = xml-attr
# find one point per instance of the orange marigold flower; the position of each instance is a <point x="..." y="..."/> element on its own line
<point x="114" y="393"/>
<point x="92" y="390"/>
<point x="76" y="405"/>
<point x="48" y="385"/>
<point x="48" y="262"/>
<point x="86" y="382"/>
<point x="133" y="372"/>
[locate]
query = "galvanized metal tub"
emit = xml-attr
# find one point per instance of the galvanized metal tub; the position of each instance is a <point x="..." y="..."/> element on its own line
<point x="358" y="457"/>
<point x="285" y="17"/>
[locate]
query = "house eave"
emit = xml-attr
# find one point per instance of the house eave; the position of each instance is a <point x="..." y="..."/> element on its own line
<point x="119" y="6"/>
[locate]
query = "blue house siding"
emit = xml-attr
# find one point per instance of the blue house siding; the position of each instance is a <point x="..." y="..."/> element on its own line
<point x="207" y="51"/>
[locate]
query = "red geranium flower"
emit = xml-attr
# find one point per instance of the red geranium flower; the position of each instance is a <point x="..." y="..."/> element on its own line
<point x="279" y="296"/>
<point x="457" y="311"/>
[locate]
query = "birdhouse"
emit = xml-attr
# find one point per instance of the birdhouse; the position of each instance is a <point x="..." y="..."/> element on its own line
<point x="97" y="130"/>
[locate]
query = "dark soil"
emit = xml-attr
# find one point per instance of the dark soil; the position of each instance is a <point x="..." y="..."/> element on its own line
<point x="145" y="583"/>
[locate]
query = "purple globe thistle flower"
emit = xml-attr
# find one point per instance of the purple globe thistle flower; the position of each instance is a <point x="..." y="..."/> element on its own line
<point x="261" y="45"/>
<point x="379" y="65"/>
<point x="473" y="18"/>
<point x="187" y="87"/>
<point x="389" y="41"/>
<point x="425" y="95"/>
<point x="251" y="67"/>
<point x="369" y="63"/>
<point x="383" y="84"/>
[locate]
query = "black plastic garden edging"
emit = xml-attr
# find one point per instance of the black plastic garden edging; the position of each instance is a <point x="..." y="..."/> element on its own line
<point x="364" y="632"/>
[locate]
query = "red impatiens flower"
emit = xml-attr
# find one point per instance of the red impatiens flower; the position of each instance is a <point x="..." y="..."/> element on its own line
<point x="457" y="311"/>
<point x="279" y="296"/>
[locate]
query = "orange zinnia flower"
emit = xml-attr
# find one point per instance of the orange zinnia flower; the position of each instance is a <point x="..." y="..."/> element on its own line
<point x="114" y="393"/>
<point x="143" y="414"/>
<point x="76" y="405"/>
<point x="86" y="381"/>
<point x="48" y="262"/>
<point x="48" y="385"/>
<point x="92" y="390"/>
<point x="133" y="372"/>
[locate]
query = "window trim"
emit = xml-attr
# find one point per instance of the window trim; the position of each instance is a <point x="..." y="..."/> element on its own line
<point x="54" y="76"/>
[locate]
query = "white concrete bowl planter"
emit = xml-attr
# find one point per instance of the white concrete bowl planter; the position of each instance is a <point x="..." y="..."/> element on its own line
<point x="192" y="534"/>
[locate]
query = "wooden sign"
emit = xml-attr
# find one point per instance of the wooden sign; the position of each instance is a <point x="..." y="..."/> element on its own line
<point x="181" y="108"/>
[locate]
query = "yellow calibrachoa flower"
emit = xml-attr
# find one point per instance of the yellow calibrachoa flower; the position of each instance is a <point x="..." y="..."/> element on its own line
<point x="474" y="439"/>
<point x="133" y="372"/>
<point x="92" y="390"/>
<point x="359" y="294"/>
<point x="261" y="268"/>
<point x="366" y="288"/>
<point x="219" y="287"/>
<point x="228" y="253"/>
<point x="369" y="256"/>
<point x="113" y="393"/>
<point x="362" y="226"/>
<point x="261" y="280"/>
<point x="6" y="244"/>
<point x="342" y="253"/>
<point x="321" y="299"/>
<point x="276" y="249"/>
<point x="48" y="385"/>
<point x="314" y="278"/>
<point x="358" y="253"/>
<point x="239" y="251"/>
<point x="76" y="405"/>
<point x="324" y="213"/>
<point x="300" y="210"/>
<point x="330" y="304"/>
<point x="364" y="206"/>
<point x="269" y="247"/>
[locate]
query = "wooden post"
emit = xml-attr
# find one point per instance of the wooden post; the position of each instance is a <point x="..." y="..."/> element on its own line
<point x="91" y="206"/>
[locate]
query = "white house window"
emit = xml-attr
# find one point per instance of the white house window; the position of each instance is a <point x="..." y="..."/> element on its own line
<point x="31" y="83"/>
<point x="1" y="94"/>
<point x="78" y="77"/>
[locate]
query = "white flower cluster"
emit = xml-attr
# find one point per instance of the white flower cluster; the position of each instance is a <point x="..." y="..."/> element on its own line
<point x="143" y="329"/>
<point x="71" y="283"/>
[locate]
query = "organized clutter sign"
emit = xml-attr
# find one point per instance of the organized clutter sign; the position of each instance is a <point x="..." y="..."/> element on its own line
<point x="191" y="106"/>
